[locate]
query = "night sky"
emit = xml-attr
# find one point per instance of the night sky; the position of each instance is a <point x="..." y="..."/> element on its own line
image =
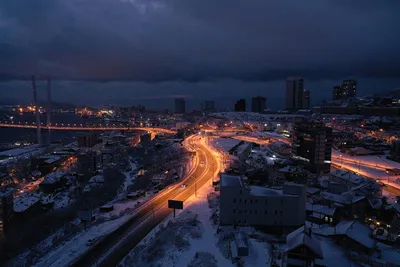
<point x="144" y="51"/>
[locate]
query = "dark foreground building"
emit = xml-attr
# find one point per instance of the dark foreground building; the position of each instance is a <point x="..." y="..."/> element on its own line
<point x="312" y="143"/>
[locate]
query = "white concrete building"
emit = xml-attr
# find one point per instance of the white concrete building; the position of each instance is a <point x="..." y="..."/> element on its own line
<point x="255" y="205"/>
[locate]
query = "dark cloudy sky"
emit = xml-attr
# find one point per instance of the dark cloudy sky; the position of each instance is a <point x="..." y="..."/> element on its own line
<point x="131" y="51"/>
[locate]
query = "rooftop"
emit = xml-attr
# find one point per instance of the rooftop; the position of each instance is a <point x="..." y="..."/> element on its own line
<point x="6" y="192"/>
<point x="321" y="209"/>
<point x="50" y="159"/>
<point x="226" y="144"/>
<point x="53" y="178"/>
<point x="263" y="191"/>
<point x="348" y="176"/>
<point x="303" y="236"/>
<point x="97" y="179"/>
<point x="356" y="231"/>
<point x="18" y="151"/>
<point x="241" y="240"/>
<point x="23" y="203"/>
<point x="230" y="180"/>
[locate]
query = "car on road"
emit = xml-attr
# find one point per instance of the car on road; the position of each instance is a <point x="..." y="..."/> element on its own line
<point x="183" y="185"/>
<point x="201" y="162"/>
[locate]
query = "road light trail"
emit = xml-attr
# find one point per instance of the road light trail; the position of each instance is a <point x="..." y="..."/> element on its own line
<point x="112" y="248"/>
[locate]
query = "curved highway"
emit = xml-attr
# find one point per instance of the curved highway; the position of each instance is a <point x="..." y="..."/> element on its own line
<point x="114" y="247"/>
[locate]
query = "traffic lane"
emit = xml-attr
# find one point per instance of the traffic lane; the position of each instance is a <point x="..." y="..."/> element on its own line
<point x="362" y="163"/>
<point x="156" y="203"/>
<point x="143" y="228"/>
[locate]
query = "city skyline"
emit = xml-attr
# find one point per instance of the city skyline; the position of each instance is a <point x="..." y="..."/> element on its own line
<point x="224" y="93"/>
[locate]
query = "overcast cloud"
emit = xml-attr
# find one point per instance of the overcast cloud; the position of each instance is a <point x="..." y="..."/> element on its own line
<point x="157" y="40"/>
<point x="199" y="41"/>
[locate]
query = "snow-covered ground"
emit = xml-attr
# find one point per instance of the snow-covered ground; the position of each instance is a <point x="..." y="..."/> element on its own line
<point x="192" y="240"/>
<point x="369" y="161"/>
<point x="129" y="179"/>
<point x="77" y="239"/>
<point x="64" y="254"/>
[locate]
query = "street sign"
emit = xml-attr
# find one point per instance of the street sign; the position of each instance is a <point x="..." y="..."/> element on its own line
<point x="175" y="204"/>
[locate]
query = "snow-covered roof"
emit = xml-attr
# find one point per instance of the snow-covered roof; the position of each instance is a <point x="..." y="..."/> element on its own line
<point x="240" y="149"/>
<point x="289" y="169"/>
<point x="322" y="209"/>
<point x="395" y="207"/>
<point x="53" y="178"/>
<point x="304" y="236"/>
<point x="18" y="151"/>
<point x="50" y="159"/>
<point x="312" y="190"/>
<point x="241" y="240"/>
<point x="348" y="176"/>
<point x="226" y="144"/>
<point x="348" y="198"/>
<point x="356" y="231"/>
<point x="262" y="191"/>
<point x="231" y="180"/>
<point x="97" y="179"/>
<point x="376" y="203"/>
<point x="333" y="197"/>
<point x="6" y="192"/>
<point x="333" y="254"/>
<point x="23" y="203"/>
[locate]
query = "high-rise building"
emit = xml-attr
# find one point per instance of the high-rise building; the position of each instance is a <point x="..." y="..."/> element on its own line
<point x="87" y="163"/>
<point x="88" y="139"/>
<point x="180" y="106"/>
<point x="306" y="100"/>
<point x="208" y="106"/>
<point x="240" y="105"/>
<point x="312" y="142"/>
<point x="6" y="211"/>
<point x="349" y="88"/>
<point x="258" y="104"/>
<point x="294" y="93"/>
<point x="337" y="93"/>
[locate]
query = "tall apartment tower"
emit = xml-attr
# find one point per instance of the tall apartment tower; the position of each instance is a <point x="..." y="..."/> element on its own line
<point x="240" y="105"/>
<point x="294" y="93"/>
<point x="337" y="93"/>
<point x="180" y="106"/>
<point x="258" y="104"/>
<point x="349" y="88"/>
<point x="312" y="143"/>
<point x="306" y="100"/>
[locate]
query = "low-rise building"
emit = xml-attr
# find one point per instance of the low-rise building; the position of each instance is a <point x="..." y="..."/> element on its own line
<point x="53" y="181"/>
<point x="303" y="248"/>
<point x="347" y="178"/>
<point x="255" y="205"/>
<point x="48" y="163"/>
<point x="26" y="204"/>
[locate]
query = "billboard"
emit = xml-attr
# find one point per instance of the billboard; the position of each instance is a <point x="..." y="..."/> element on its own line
<point x="175" y="204"/>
